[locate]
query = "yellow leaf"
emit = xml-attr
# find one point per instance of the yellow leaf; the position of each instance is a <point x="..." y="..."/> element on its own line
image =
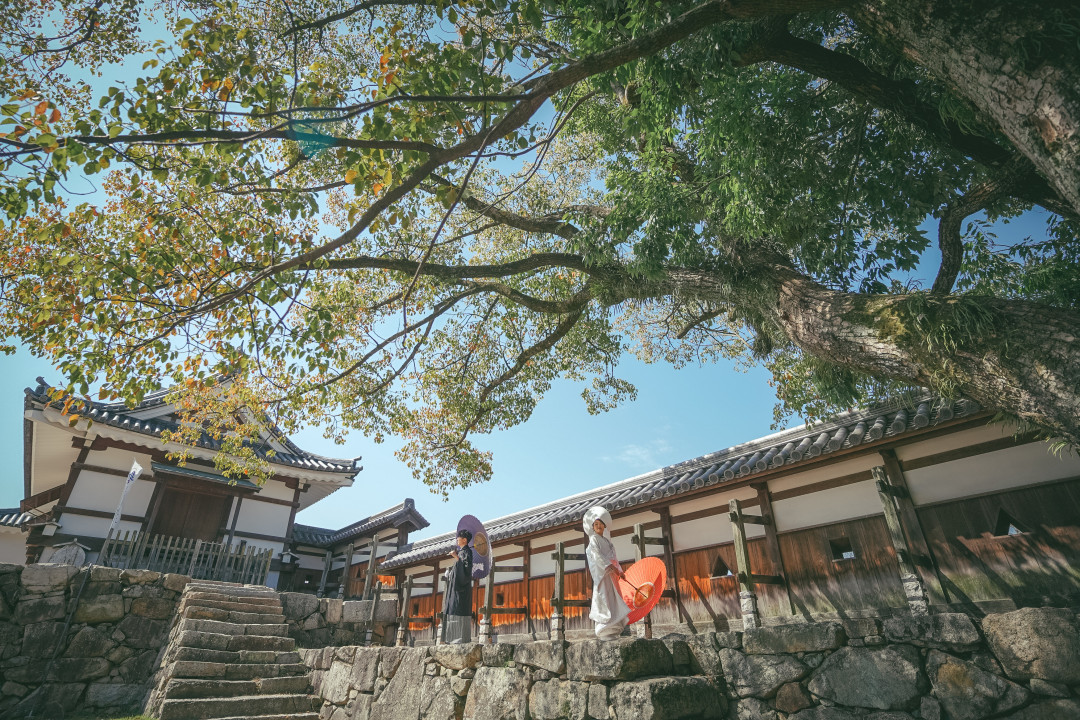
<point x="350" y="176"/>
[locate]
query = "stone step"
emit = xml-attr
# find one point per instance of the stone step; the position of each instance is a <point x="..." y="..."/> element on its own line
<point x="233" y="606"/>
<point x="194" y="669"/>
<point x="217" y="641"/>
<point x="227" y="587"/>
<point x="279" y="629"/>
<point x="273" y="601"/>
<point x="243" y="706"/>
<point x="242" y="657"/>
<point x="195" y="612"/>
<point x="188" y="688"/>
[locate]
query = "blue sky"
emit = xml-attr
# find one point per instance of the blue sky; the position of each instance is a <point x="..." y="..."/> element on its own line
<point x="559" y="451"/>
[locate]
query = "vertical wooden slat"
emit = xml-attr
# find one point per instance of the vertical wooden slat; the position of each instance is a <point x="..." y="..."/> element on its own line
<point x="327" y="562"/>
<point x="194" y="558"/>
<point x="747" y="601"/>
<point x="669" y="560"/>
<point x="639" y="553"/>
<point x="373" y="556"/>
<point x="913" y="587"/>
<point x="772" y="544"/>
<point x="344" y="582"/>
<point x="924" y="560"/>
<point x="406" y="612"/>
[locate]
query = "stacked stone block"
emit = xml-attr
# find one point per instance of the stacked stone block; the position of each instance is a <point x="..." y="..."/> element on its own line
<point x="1023" y="665"/>
<point x="323" y="622"/>
<point x="106" y="657"/>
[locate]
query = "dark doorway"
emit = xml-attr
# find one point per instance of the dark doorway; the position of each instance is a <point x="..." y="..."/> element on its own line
<point x="192" y="515"/>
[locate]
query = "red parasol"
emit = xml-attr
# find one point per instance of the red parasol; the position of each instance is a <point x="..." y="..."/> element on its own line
<point x="643" y="586"/>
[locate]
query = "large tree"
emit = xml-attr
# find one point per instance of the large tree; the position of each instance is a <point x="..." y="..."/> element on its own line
<point x="409" y="218"/>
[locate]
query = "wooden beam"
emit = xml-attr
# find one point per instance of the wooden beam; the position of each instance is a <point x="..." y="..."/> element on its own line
<point x="325" y="572"/>
<point x="909" y="578"/>
<point x="669" y="562"/>
<point x="747" y="600"/>
<point x="909" y="519"/>
<point x="772" y="544"/>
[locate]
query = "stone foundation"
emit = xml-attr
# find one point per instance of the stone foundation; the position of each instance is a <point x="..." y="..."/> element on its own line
<point x="1022" y="665"/>
<point x="322" y="622"/>
<point x="105" y="660"/>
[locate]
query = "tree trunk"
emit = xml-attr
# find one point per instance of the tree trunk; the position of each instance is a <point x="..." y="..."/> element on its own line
<point x="1006" y="59"/>
<point x="1012" y="355"/>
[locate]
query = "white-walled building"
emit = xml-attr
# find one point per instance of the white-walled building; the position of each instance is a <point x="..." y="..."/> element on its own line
<point x="74" y="476"/>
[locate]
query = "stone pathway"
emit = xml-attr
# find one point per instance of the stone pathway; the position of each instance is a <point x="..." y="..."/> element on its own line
<point x="229" y="657"/>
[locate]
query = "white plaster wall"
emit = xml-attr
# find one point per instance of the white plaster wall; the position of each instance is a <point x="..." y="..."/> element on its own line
<point x="93" y="527"/>
<point x="263" y="518"/>
<point x="963" y="438"/>
<point x="51" y="455"/>
<point x="827" y="506"/>
<point x="96" y="491"/>
<point x="716" y="498"/>
<point x="990" y="472"/>
<point x="828" y="472"/>
<point x="12" y="546"/>
<point x="277" y="490"/>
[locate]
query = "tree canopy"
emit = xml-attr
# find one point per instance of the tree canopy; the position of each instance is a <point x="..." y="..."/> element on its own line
<point x="410" y="218"/>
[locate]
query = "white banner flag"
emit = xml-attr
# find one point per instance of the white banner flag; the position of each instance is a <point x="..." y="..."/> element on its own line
<point x="132" y="476"/>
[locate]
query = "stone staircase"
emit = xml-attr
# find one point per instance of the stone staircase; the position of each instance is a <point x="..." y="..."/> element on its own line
<point x="229" y="657"/>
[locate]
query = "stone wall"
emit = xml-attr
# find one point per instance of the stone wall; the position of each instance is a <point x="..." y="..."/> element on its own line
<point x="323" y="622"/>
<point x="1022" y="665"/>
<point x="105" y="659"/>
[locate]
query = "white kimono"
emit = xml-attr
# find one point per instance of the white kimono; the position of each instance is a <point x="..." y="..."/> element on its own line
<point x="608" y="609"/>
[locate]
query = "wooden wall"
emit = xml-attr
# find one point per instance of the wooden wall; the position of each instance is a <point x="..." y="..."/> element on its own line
<point x="1039" y="567"/>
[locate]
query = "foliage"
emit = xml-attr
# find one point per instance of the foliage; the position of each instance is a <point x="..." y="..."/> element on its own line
<point x="409" y="219"/>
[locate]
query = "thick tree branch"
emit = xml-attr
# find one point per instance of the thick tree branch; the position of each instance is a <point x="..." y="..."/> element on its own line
<point x="539" y="261"/>
<point x="949" y="239"/>
<point x="901" y="98"/>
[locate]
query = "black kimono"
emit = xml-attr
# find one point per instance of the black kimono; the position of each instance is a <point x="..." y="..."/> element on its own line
<point x="457" y="602"/>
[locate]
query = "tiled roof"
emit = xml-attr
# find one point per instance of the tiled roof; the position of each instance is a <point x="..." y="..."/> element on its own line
<point x="119" y="416"/>
<point x="789" y="447"/>
<point x="13" y="517"/>
<point x="391" y="517"/>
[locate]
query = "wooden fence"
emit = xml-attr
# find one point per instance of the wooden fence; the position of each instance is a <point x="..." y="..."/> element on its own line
<point x="196" y="558"/>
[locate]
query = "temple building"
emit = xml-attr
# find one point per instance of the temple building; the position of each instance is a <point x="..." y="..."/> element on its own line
<point x="184" y="518"/>
<point x="920" y="506"/>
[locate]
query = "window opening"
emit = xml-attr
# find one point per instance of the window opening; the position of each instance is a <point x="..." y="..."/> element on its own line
<point x="499" y="598"/>
<point x="720" y="568"/>
<point x="416" y="607"/>
<point x="841" y="549"/>
<point x="1008" y="525"/>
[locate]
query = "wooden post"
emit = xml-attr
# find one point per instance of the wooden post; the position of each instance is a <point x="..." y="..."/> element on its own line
<point x="557" y="628"/>
<point x="486" y="634"/>
<point x="527" y="573"/>
<point x="435" y="612"/>
<point x="772" y="545"/>
<point x="747" y="600"/>
<point x="372" y="569"/>
<point x="325" y="571"/>
<point x="913" y="587"/>
<point x="639" y="552"/>
<point x="344" y="583"/>
<point x="374" y="612"/>
<point x="405" y="614"/>
<point x="669" y="562"/>
<point x="922" y="557"/>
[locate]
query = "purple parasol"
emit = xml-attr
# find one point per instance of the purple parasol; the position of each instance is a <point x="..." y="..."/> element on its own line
<point x="481" y="548"/>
